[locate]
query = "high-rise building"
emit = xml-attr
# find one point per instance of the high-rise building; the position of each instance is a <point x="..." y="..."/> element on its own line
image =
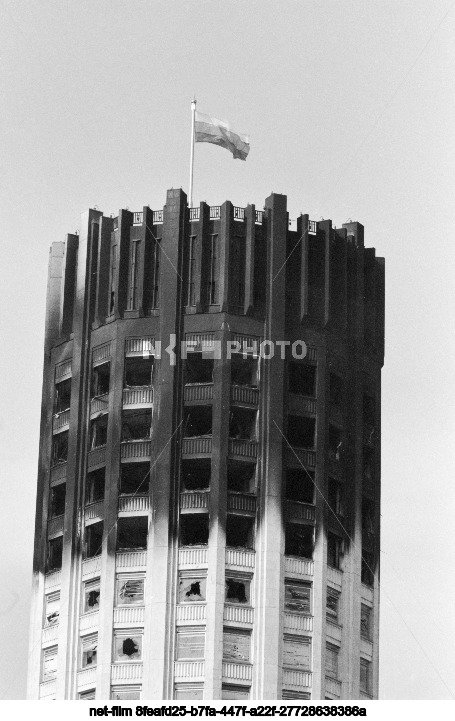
<point x="207" y="520"/>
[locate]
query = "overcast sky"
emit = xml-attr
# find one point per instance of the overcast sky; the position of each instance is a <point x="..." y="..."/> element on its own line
<point x="350" y="108"/>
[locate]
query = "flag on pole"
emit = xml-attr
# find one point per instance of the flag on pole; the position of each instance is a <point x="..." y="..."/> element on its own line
<point x="212" y="130"/>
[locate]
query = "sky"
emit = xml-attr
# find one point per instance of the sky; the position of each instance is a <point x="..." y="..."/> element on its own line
<point x="350" y="108"/>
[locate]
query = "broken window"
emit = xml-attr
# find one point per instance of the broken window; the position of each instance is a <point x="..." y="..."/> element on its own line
<point x="196" y="474"/>
<point x="241" y="477"/>
<point x="60" y="447"/>
<point x="91" y="595"/>
<point x="299" y="540"/>
<point x="336" y="389"/>
<point x="334" y="550"/>
<point x="242" y="424"/>
<point x="365" y="621"/>
<point x="302" y="379"/>
<point x="51" y="608"/>
<point x="332" y="605"/>
<point x="89" y="647"/>
<point x="100" y="379"/>
<point x="194" y="529"/>
<point x="127" y="646"/>
<point x="244" y="370"/>
<point x="365" y="676"/>
<point x="198" y="368"/>
<point x="368" y="518"/>
<point x="94" y="486"/>
<point x="300" y="485"/>
<point x="190" y="644"/>
<point x="49" y="664"/>
<point x="297" y="597"/>
<point x="138" y="372"/>
<point x="132" y="533"/>
<point x="136" y="425"/>
<point x="297" y="652"/>
<point x="335" y="496"/>
<point x="192" y="589"/>
<point x="234" y="693"/>
<point x="93" y="539"/>
<point x="238" y="591"/>
<point x="62" y="396"/>
<point x="198" y="421"/>
<point x="236" y="645"/>
<point x="125" y="693"/>
<point x="134" y="478"/>
<point x="54" y="554"/>
<point x="130" y="590"/>
<point x="369" y="410"/>
<point x="98" y="431"/>
<point x="57" y="500"/>
<point x="301" y="431"/>
<point x="239" y="531"/>
<point x="335" y="443"/>
<point x="368" y="464"/>
<point x="368" y="564"/>
<point x="331" y="660"/>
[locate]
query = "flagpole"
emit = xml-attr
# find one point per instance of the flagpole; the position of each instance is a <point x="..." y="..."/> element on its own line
<point x="193" y="113"/>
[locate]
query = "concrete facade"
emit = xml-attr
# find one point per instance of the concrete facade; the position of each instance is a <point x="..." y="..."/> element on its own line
<point x="208" y="526"/>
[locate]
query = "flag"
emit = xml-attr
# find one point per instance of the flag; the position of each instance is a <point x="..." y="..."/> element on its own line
<point x="212" y="130"/>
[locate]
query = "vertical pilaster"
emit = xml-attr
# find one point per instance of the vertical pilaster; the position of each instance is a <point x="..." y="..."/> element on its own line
<point x="225" y="238"/>
<point x="250" y="218"/>
<point x="69" y="283"/>
<point x="102" y="278"/>
<point x="302" y="232"/>
<point x="125" y="221"/>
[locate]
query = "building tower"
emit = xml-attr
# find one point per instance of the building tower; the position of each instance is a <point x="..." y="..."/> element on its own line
<point x="207" y="520"/>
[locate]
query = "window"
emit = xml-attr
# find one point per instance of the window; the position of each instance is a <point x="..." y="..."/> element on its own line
<point x="332" y="605"/>
<point x="132" y="533"/>
<point x="93" y="539"/>
<point x="302" y="379"/>
<point x="51" y="608"/>
<point x="198" y="368"/>
<point x="368" y="565"/>
<point x="297" y="597"/>
<point x="62" y="396"/>
<point x="368" y="518"/>
<point x="49" y="663"/>
<point x="60" y="447"/>
<point x="242" y="424"/>
<point x="369" y="410"/>
<point x="300" y="485"/>
<point x="213" y="271"/>
<point x="133" y="274"/>
<point x="244" y="370"/>
<point x="190" y="644"/>
<point x="234" y="693"/>
<point x="126" y="693"/>
<point x="57" y="500"/>
<point x="336" y="389"/>
<point x="237" y="271"/>
<point x="196" y="474"/>
<point x="155" y="296"/>
<point x="241" y="477"/>
<point x="365" y="621"/>
<point x="334" y="550"/>
<point x="127" y="646"/>
<point x="335" y="443"/>
<point x="192" y="589"/>
<point x="54" y="554"/>
<point x="136" y="425"/>
<point x="191" y="270"/>
<point x="368" y="464"/>
<point x="239" y="531"/>
<point x="94" y="486"/>
<point x="87" y="695"/>
<point x="112" y="276"/>
<point x="138" y="371"/>
<point x="130" y="590"/>
<point x="194" y="529"/>
<point x="301" y="431"/>
<point x="335" y="496"/>
<point x="98" y="431"/>
<point x="331" y="660"/>
<point x="238" y="591"/>
<point x="134" y="478"/>
<point x="89" y="650"/>
<point x="188" y="691"/>
<point x="299" y="540"/>
<point x="297" y="652"/>
<point x="91" y="595"/>
<point x="198" y="421"/>
<point x="101" y="379"/>
<point x="236" y="645"/>
<point x="365" y="676"/>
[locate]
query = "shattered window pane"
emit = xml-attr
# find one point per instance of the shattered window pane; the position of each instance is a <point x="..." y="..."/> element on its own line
<point x="91" y="595"/>
<point x="89" y="650"/>
<point x="52" y="608"/>
<point x="192" y="589"/>
<point x="128" y="648"/>
<point x="297" y="598"/>
<point x="130" y="591"/>
<point x="237" y="591"/>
